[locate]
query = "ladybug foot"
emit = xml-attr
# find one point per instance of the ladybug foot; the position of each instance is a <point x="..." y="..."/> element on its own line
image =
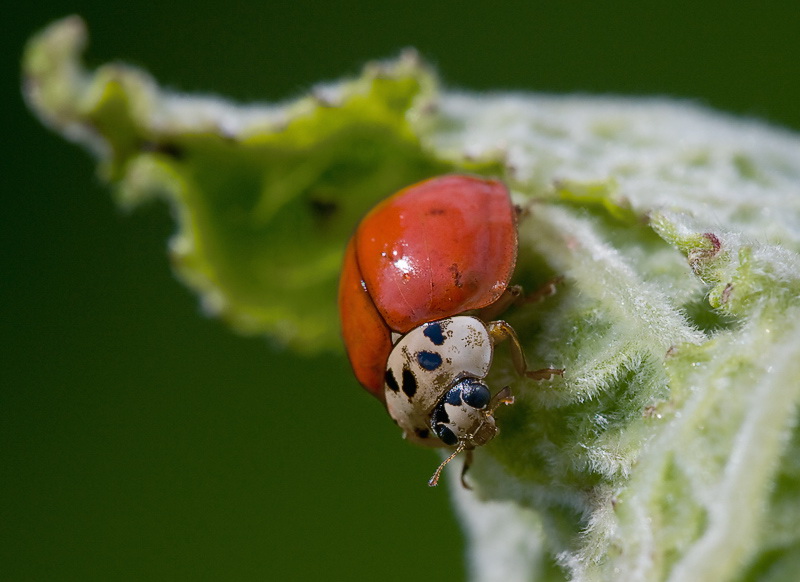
<point x="503" y="397"/>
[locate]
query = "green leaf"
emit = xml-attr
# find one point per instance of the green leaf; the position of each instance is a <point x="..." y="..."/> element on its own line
<point x="669" y="450"/>
<point x="265" y="197"/>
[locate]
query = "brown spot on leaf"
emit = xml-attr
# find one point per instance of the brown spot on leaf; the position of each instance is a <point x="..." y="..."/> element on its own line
<point x="726" y="293"/>
<point x="323" y="209"/>
<point x="172" y="150"/>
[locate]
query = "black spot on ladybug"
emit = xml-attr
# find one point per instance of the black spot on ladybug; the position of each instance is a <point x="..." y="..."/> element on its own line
<point x="422" y="433"/>
<point x="429" y="360"/>
<point x="433" y="331"/>
<point x="409" y="383"/>
<point x="456" y="274"/>
<point x="391" y="381"/>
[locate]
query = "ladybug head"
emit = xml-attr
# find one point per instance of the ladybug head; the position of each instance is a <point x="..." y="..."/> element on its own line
<point x="463" y="417"/>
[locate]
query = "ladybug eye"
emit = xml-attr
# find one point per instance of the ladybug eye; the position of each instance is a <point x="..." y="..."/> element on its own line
<point x="446" y="435"/>
<point x="439" y="421"/>
<point x="477" y="396"/>
<point x="474" y="393"/>
<point x="453" y="396"/>
<point x="439" y="416"/>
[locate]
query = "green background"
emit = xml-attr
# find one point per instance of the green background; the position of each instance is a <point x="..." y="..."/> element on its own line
<point x="141" y="440"/>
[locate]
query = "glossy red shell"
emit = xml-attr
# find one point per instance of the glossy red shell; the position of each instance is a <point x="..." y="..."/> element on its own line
<point x="432" y="250"/>
<point x="366" y="336"/>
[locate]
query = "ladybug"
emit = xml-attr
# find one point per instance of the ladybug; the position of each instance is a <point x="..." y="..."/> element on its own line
<point x="419" y="273"/>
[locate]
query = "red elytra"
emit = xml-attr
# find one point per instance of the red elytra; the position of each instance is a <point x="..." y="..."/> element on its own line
<point x="432" y="250"/>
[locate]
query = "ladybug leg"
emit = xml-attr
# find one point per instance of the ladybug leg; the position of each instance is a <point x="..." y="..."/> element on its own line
<point x="434" y="480"/>
<point x="542" y="293"/>
<point x="464" y="468"/>
<point x="502" y="397"/>
<point x="513" y="295"/>
<point x="499" y="331"/>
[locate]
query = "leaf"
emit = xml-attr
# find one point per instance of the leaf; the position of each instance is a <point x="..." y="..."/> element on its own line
<point x="669" y="450"/>
<point x="265" y="197"/>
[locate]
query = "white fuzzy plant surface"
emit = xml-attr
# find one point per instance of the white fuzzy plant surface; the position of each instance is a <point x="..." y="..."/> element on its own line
<point x="670" y="449"/>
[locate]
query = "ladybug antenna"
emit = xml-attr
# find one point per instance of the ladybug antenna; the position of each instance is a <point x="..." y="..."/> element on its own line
<point x="433" y="481"/>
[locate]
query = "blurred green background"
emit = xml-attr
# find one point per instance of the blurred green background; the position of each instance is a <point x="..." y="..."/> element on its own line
<point x="141" y="440"/>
